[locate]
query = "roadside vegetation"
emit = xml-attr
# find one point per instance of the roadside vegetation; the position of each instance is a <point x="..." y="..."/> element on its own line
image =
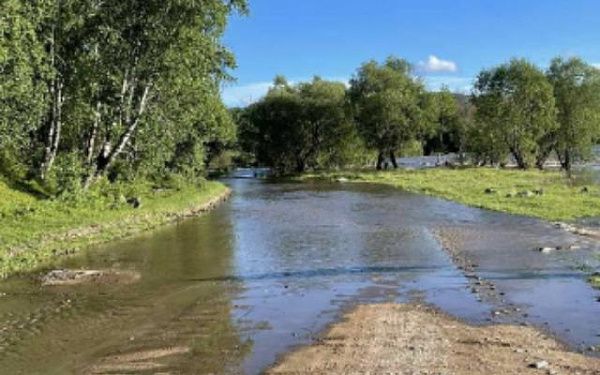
<point x="542" y="194"/>
<point x="35" y="232"/>
<point x="110" y="119"/>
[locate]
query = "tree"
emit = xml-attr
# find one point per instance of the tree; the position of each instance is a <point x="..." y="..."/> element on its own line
<point x="139" y="60"/>
<point x="385" y="103"/>
<point x="22" y="90"/>
<point x="295" y="127"/>
<point x="515" y="110"/>
<point x="126" y="88"/>
<point x="445" y="132"/>
<point x="577" y="92"/>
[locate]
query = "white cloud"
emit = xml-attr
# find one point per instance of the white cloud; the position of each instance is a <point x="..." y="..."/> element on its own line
<point x="436" y="65"/>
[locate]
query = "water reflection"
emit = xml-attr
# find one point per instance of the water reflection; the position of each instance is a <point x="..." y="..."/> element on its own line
<point x="164" y="322"/>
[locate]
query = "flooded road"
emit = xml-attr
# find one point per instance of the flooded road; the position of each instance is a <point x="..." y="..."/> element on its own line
<point x="231" y="291"/>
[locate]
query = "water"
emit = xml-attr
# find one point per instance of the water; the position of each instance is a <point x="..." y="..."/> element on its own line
<point x="231" y="291"/>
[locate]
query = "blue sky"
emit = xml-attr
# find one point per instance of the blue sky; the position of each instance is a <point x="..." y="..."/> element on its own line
<point x="449" y="41"/>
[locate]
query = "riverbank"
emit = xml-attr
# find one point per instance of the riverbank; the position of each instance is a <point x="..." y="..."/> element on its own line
<point x="411" y="339"/>
<point x="543" y="194"/>
<point x="37" y="233"/>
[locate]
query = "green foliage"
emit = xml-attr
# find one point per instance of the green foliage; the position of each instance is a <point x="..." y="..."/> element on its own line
<point x="577" y="92"/>
<point x="22" y="87"/>
<point x="298" y="127"/>
<point x="385" y="102"/>
<point x="515" y="111"/>
<point x="445" y="130"/>
<point x="127" y="89"/>
<point x="66" y="177"/>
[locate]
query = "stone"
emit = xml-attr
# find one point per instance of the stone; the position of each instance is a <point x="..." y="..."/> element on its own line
<point x="539" y="365"/>
<point x="134" y="202"/>
<point x="525" y="194"/>
<point x="65" y="277"/>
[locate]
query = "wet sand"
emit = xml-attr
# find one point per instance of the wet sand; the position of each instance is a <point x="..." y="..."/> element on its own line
<point x="415" y="339"/>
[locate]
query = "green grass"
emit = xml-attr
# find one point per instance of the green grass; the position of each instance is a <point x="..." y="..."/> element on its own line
<point x="37" y="232"/>
<point x="561" y="200"/>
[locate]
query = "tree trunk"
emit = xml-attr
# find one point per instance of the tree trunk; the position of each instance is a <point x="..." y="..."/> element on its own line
<point x="519" y="159"/>
<point x="54" y="119"/>
<point x="108" y="154"/>
<point x="393" y="159"/>
<point x="567" y="163"/>
<point x="89" y="153"/>
<point x="380" y="160"/>
<point x="300" y="165"/>
<point x="54" y="128"/>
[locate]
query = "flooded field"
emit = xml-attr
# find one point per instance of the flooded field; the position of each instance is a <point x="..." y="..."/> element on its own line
<point x="233" y="290"/>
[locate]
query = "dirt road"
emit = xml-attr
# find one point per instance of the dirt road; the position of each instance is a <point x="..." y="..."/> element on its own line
<point x="414" y="339"/>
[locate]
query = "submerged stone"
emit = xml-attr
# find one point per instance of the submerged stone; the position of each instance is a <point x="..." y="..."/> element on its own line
<point x="76" y="277"/>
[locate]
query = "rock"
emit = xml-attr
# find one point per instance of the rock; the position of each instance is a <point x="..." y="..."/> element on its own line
<point x="490" y="191"/>
<point x="525" y="194"/>
<point x="539" y="365"/>
<point x="545" y="250"/>
<point x="134" y="202"/>
<point x="75" y="277"/>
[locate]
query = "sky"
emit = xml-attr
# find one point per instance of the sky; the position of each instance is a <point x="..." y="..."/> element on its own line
<point x="448" y="41"/>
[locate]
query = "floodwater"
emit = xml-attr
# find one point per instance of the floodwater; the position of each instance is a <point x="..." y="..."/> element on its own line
<point x="231" y="291"/>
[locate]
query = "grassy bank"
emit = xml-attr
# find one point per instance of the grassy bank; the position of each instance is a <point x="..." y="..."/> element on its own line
<point x="37" y="232"/>
<point x="511" y="191"/>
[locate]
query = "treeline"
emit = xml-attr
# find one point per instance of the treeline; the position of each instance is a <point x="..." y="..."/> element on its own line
<point x="516" y="111"/>
<point x="125" y="89"/>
